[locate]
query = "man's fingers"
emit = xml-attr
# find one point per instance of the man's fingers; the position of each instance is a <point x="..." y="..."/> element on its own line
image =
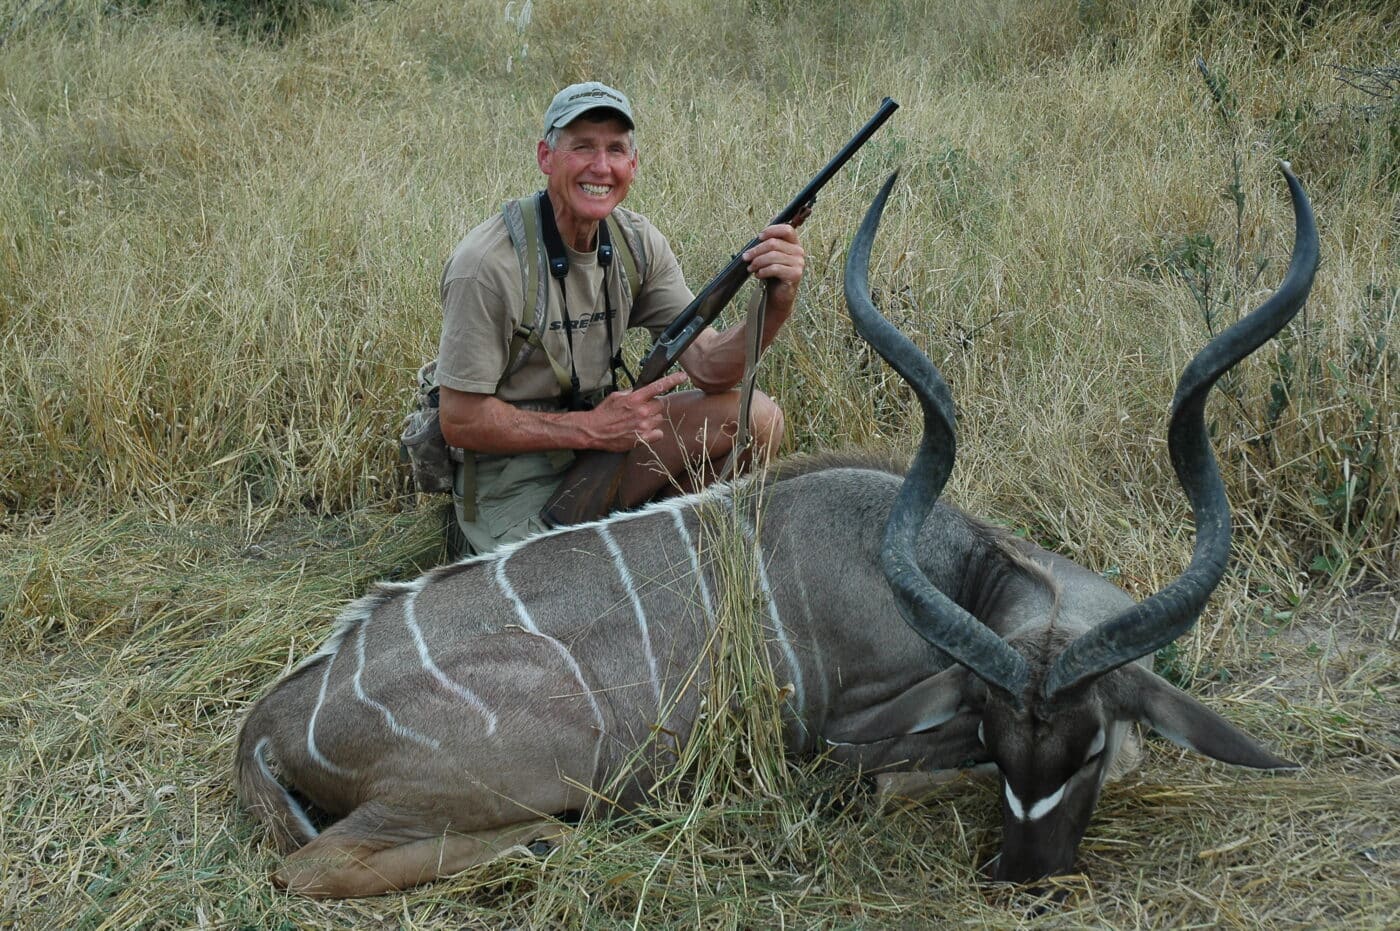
<point x="660" y="386"/>
<point x="780" y="265"/>
<point x="786" y="231"/>
<point x="777" y="255"/>
<point x="781" y="236"/>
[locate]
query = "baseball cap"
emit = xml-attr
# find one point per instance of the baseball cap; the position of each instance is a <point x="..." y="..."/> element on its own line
<point x="577" y="99"/>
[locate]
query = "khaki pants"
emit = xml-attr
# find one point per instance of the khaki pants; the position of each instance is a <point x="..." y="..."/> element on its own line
<point x="510" y="491"/>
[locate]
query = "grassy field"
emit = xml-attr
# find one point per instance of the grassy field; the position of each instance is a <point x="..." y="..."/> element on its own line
<point x="219" y="255"/>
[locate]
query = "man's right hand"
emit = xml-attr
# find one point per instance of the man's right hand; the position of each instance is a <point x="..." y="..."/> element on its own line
<point x="624" y="419"/>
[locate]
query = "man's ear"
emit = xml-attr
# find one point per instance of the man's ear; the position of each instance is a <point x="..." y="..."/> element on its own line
<point x="1190" y="724"/>
<point x="543" y="155"/>
<point x="923" y="706"/>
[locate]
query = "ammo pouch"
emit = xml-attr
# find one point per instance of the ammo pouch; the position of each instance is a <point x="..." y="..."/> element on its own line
<point x="421" y="442"/>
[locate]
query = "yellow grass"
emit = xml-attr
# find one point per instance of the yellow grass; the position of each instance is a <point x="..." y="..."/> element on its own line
<point x="218" y="274"/>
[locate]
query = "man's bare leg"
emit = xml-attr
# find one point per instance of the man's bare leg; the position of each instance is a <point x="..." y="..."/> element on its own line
<point x="695" y="449"/>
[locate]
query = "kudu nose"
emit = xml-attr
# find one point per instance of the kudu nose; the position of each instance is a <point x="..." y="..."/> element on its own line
<point x="1028" y="866"/>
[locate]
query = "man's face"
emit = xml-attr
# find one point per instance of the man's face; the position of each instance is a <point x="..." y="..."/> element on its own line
<point x="590" y="170"/>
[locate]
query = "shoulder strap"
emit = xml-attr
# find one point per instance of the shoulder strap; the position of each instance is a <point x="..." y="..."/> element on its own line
<point x="526" y="340"/>
<point x="634" y="256"/>
<point x="522" y="217"/>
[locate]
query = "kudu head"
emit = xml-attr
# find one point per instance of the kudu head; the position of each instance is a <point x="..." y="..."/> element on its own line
<point x="1055" y="701"/>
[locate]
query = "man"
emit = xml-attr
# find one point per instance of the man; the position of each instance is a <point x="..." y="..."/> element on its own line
<point x="518" y="399"/>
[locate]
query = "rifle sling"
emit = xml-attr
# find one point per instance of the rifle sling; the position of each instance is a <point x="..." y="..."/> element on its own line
<point x="743" y="439"/>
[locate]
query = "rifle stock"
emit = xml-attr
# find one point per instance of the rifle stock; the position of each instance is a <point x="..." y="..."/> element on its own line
<point x="592" y="486"/>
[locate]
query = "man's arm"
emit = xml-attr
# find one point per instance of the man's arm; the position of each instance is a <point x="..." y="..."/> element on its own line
<point x="715" y="361"/>
<point x="486" y="424"/>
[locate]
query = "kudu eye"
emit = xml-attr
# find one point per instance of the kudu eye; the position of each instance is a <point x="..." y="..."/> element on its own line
<point x="981" y="734"/>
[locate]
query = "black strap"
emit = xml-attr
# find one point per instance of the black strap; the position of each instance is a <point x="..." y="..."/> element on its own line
<point x="553" y="242"/>
<point x="558" y="258"/>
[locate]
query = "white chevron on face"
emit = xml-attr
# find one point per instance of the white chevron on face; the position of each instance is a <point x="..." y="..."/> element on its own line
<point x="1037" y="811"/>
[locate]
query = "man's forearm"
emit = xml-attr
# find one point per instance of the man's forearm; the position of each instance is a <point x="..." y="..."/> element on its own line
<point x="715" y="361"/>
<point x="485" y="424"/>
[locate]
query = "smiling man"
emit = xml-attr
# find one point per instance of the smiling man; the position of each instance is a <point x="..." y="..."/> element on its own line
<point x="535" y="301"/>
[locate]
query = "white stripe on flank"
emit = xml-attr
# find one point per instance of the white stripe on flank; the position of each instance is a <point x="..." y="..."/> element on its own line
<point x="778" y="628"/>
<point x="292" y="805"/>
<point x="311" y="749"/>
<point x="529" y="626"/>
<point x="407" y="733"/>
<point x="1039" y="810"/>
<point x="466" y="694"/>
<point x="626" y="578"/>
<point x="678" y="516"/>
<point x="358" y="611"/>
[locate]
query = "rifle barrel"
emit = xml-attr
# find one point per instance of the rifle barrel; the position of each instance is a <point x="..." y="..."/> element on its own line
<point x="862" y="136"/>
<point x="722" y="288"/>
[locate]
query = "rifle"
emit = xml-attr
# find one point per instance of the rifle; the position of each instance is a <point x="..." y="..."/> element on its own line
<point x="590" y="488"/>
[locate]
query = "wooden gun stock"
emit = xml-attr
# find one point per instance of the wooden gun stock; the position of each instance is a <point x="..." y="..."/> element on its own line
<point x="592" y="486"/>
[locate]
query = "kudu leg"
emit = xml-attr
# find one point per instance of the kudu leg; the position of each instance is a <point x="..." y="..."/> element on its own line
<point x="343" y="862"/>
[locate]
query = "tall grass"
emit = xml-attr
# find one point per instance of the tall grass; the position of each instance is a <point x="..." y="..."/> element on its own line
<point x="216" y="275"/>
<point x="218" y="267"/>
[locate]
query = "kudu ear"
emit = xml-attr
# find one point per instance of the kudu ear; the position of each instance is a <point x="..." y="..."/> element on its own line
<point x="1186" y="722"/>
<point x="928" y="704"/>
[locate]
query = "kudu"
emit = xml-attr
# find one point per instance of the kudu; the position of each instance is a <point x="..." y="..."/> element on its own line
<point x="448" y="718"/>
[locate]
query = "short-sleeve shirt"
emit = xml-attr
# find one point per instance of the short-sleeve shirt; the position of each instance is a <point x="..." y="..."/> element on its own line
<point x="483" y="301"/>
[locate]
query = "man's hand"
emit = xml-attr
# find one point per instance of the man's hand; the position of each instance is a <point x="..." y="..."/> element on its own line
<point x="625" y="418"/>
<point x="779" y="259"/>
<point x="715" y="360"/>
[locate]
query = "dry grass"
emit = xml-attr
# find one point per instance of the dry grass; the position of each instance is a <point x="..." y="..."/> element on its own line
<point x="218" y="264"/>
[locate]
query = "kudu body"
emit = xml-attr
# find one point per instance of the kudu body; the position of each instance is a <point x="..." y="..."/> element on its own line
<point x="449" y="717"/>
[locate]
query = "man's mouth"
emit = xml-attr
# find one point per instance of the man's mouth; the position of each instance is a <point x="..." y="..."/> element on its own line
<point x="597" y="190"/>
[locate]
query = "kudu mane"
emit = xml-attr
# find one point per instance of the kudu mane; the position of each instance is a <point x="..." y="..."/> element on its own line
<point x="887" y="461"/>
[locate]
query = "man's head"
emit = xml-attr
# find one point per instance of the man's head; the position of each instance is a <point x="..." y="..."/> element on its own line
<point x="588" y="153"/>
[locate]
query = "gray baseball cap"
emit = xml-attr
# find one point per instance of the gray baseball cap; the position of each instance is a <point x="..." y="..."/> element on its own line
<point x="577" y="99"/>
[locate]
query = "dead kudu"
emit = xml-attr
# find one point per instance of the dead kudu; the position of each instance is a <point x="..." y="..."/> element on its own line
<point x="449" y="717"/>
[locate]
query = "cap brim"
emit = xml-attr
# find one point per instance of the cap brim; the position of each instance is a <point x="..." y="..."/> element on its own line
<point x="567" y="118"/>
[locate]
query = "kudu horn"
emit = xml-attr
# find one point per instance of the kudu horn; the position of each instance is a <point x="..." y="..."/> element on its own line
<point x="931" y="614"/>
<point x="1168" y="614"/>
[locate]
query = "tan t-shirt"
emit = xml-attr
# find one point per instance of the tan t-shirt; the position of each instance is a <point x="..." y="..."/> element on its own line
<point x="483" y="301"/>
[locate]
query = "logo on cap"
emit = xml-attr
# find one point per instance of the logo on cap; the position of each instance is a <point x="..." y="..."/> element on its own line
<point x="595" y="93"/>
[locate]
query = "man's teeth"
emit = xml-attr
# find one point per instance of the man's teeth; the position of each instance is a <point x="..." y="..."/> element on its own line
<point x="598" y="190"/>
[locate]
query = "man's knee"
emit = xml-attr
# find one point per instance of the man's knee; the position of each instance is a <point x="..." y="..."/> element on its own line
<point x="766" y="423"/>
